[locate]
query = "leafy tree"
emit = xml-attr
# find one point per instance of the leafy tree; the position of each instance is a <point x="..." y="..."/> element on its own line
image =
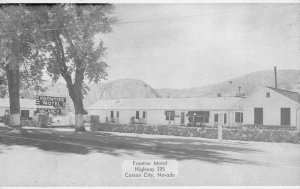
<point x="3" y="84"/>
<point x="71" y="51"/>
<point x="17" y="46"/>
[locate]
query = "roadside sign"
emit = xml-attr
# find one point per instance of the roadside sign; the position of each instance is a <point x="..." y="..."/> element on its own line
<point x="49" y="110"/>
<point x="51" y="101"/>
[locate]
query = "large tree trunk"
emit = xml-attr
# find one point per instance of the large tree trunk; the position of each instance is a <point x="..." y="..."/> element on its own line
<point x="13" y="80"/>
<point x="79" y="112"/>
<point x="76" y="96"/>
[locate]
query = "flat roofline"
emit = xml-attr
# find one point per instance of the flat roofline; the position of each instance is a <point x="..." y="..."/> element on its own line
<point x="198" y="97"/>
<point x="174" y="109"/>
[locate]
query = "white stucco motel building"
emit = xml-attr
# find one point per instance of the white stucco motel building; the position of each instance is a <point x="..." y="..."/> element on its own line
<point x="170" y="111"/>
<point x="269" y="106"/>
<point x="27" y="106"/>
<point x="272" y="106"/>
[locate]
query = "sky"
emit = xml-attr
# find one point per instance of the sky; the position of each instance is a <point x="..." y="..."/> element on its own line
<point x="192" y="45"/>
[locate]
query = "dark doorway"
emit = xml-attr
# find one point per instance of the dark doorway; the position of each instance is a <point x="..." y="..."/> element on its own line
<point x="258" y="116"/>
<point x="24" y="114"/>
<point x="182" y="118"/>
<point x="285" y="116"/>
<point x="198" y="116"/>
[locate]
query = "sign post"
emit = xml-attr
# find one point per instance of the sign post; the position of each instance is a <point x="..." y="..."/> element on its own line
<point x="220" y="126"/>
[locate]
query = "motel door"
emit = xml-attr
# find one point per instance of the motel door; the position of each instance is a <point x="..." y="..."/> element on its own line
<point x="285" y="116"/>
<point x="25" y="114"/>
<point x="258" y="116"/>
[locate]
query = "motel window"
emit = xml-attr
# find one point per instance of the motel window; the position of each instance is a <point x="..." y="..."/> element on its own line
<point x="238" y="117"/>
<point x="118" y="114"/>
<point x="268" y="94"/>
<point x="170" y="115"/>
<point x="216" y="117"/>
<point x="225" y="118"/>
<point x="111" y="114"/>
<point x="137" y="115"/>
<point x="144" y="115"/>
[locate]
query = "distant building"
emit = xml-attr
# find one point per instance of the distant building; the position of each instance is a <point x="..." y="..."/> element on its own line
<point x="272" y="106"/>
<point x="170" y="111"/>
<point x="27" y="106"/>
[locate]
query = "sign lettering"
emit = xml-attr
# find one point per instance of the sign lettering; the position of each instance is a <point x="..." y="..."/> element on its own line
<point x="51" y="101"/>
<point x="48" y="110"/>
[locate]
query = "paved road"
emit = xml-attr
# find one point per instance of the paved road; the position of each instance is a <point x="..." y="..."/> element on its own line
<point x="49" y="157"/>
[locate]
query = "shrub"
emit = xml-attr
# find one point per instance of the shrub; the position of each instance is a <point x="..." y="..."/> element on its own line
<point x="190" y="124"/>
<point x="132" y="120"/>
<point x="112" y="120"/>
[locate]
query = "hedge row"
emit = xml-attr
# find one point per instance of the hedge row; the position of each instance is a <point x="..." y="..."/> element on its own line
<point x="250" y="134"/>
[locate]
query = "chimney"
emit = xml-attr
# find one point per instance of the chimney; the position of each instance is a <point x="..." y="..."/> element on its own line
<point x="230" y="82"/>
<point x="239" y="93"/>
<point x="275" y="74"/>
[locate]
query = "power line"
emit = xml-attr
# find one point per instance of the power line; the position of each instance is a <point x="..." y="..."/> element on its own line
<point x="197" y="15"/>
<point x="158" y="19"/>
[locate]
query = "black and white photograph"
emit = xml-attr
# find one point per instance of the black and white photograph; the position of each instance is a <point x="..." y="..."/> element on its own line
<point x="122" y="94"/>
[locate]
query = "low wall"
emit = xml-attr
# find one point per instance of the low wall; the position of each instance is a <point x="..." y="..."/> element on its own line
<point x="239" y="133"/>
<point x="28" y="123"/>
<point x="269" y="127"/>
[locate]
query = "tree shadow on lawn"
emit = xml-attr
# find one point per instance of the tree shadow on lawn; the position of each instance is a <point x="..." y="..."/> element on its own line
<point x="165" y="148"/>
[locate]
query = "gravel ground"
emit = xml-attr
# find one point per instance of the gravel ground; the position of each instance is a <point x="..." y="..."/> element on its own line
<point x="61" y="157"/>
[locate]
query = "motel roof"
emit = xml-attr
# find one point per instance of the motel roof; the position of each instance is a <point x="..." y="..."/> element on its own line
<point x="24" y="104"/>
<point x="216" y="103"/>
<point x="289" y="94"/>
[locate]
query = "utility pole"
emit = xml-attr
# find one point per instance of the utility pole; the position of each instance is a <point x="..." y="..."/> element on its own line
<point x="275" y="74"/>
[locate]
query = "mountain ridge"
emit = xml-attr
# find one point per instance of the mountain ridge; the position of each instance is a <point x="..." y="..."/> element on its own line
<point x="135" y="88"/>
<point x="249" y="84"/>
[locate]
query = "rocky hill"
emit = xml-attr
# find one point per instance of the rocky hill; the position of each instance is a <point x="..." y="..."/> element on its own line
<point x="123" y="88"/>
<point x="250" y="83"/>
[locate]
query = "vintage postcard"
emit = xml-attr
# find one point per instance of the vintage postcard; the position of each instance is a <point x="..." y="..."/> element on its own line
<point x="149" y="94"/>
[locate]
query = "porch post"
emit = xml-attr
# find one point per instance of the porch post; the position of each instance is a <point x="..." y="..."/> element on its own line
<point x="220" y="126"/>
